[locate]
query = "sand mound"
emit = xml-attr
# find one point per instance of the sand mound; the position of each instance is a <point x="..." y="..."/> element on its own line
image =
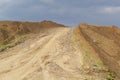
<point x="56" y="52"/>
<point x="15" y="28"/>
<point x="15" y="32"/>
<point x="103" y="41"/>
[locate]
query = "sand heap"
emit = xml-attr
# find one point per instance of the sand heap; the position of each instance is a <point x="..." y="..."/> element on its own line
<point x="55" y="52"/>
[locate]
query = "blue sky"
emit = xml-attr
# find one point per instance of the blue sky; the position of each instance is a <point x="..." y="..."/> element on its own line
<point x="68" y="12"/>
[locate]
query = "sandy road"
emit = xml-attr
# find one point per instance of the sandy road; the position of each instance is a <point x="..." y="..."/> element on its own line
<point x="28" y="59"/>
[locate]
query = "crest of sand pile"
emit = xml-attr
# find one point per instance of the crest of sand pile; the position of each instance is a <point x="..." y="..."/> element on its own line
<point x="103" y="41"/>
<point x="10" y="29"/>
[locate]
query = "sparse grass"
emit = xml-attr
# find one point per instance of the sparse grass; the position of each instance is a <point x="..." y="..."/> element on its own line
<point x="110" y="75"/>
<point x="5" y="44"/>
<point x="88" y="56"/>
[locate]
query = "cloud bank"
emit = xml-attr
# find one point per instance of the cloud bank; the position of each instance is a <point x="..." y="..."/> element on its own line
<point x="69" y="12"/>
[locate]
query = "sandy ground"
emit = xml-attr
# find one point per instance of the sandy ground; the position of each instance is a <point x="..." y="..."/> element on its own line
<point x="53" y="56"/>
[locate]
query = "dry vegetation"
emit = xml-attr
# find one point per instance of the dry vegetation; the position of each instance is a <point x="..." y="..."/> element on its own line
<point x="15" y="32"/>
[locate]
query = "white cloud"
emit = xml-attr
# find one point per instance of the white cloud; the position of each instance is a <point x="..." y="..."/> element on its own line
<point x="2" y="2"/>
<point x="110" y="10"/>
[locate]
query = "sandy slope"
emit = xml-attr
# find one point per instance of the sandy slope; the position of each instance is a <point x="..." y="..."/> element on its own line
<point x="103" y="41"/>
<point x="60" y="53"/>
<point x="51" y="57"/>
<point x="30" y="57"/>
